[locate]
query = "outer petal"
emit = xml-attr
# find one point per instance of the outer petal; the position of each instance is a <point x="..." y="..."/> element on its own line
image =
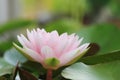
<point x="23" y="41"/>
<point x="74" y="55"/>
<point x="65" y="58"/>
<point x="75" y="44"/>
<point x="83" y="47"/>
<point x="82" y="51"/>
<point x="30" y="54"/>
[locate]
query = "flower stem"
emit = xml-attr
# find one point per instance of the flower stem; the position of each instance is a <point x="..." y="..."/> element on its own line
<point x="49" y="74"/>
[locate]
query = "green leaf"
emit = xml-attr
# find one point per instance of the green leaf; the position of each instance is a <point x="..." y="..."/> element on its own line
<point x="105" y="71"/>
<point x="96" y="59"/>
<point x="5" y="68"/>
<point x="12" y="56"/>
<point x="107" y="36"/>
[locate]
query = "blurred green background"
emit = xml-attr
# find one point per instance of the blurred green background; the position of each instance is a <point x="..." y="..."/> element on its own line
<point x="98" y="21"/>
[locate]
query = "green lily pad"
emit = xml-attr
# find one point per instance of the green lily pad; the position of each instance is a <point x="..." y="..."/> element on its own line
<point x="12" y="56"/>
<point x="5" y="68"/>
<point x="107" y="36"/>
<point x="104" y="71"/>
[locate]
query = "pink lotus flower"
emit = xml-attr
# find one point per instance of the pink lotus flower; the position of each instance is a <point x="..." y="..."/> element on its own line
<point x="51" y="49"/>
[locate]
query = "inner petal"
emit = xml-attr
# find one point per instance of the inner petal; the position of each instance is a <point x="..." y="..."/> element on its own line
<point x="47" y="52"/>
